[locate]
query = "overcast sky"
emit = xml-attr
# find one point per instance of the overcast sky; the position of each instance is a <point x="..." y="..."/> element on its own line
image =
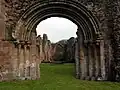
<point x="57" y="28"/>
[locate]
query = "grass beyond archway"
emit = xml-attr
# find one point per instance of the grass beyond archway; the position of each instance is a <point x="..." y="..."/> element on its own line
<point x="58" y="77"/>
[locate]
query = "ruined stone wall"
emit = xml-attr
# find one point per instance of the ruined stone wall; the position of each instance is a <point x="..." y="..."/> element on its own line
<point x="70" y="50"/>
<point x="6" y="66"/>
<point x="2" y="23"/>
<point x="59" y="50"/>
<point x="18" y="59"/>
<point x="64" y="50"/>
<point x="101" y="63"/>
<point x="46" y="49"/>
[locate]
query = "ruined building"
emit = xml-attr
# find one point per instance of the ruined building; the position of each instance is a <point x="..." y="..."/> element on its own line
<point x="59" y="50"/>
<point x="97" y="52"/>
<point x="69" y="54"/>
<point x="64" y="50"/>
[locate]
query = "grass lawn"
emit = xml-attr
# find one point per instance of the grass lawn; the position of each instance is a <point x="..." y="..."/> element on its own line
<point x="58" y="77"/>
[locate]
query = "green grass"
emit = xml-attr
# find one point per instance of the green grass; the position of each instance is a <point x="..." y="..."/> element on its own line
<point x="58" y="77"/>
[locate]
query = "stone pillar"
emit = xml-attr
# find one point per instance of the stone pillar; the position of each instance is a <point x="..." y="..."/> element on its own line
<point x="33" y="62"/>
<point x="102" y="60"/>
<point x="38" y="46"/>
<point x="94" y="62"/>
<point x="49" y="51"/>
<point x="90" y="51"/>
<point x="2" y="23"/>
<point x="33" y="44"/>
<point x="38" y="43"/>
<point x="33" y="57"/>
<point x="82" y="62"/>
<point x="27" y="61"/>
<point x="21" y="60"/>
<point x="77" y="61"/>
<point x="99" y="77"/>
<point x="40" y="49"/>
<point x="80" y="53"/>
<point x="19" y="50"/>
<point x="15" y="60"/>
<point x="37" y="70"/>
<point x="26" y="56"/>
<point x="85" y="61"/>
<point x="45" y="46"/>
<point x="88" y="62"/>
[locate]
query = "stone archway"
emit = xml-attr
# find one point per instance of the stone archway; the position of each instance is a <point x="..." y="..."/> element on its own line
<point x="88" y="31"/>
<point x="93" y="46"/>
<point x="72" y="10"/>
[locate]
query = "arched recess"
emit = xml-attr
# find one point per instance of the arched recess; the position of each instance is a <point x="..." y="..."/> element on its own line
<point x="71" y="9"/>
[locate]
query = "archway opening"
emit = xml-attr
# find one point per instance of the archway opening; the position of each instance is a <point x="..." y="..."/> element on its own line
<point x="88" y="49"/>
<point x="57" y="28"/>
<point x="58" y="36"/>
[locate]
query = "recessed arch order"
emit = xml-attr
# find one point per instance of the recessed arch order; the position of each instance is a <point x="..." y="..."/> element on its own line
<point x="72" y="10"/>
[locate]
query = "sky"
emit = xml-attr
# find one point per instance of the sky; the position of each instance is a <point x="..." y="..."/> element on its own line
<point x="57" y="28"/>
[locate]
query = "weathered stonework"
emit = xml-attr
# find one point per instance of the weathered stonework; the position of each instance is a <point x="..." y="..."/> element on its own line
<point x="97" y="53"/>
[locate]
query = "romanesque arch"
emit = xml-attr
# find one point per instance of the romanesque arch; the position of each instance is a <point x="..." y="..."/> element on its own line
<point x="88" y="28"/>
<point x="94" y="57"/>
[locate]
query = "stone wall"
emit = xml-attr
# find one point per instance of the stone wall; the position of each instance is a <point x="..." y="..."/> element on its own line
<point x="6" y="64"/>
<point x="45" y="48"/>
<point x="2" y="23"/>
<point x="64" y="50"/>
<point x="97" y="53"/>
<point x="19" y="59"/>
<point x="70" y="50"/>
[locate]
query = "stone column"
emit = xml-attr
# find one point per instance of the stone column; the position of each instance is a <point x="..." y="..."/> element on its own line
<point x="95" y="58"/>
<point x="25" y="58"/>
<point x="80" y="53"/>
<point x="45" y="46"/>
<point x="2" y="23"/>
<point x="41" y="53"/>
<point x="27" y="62"/>
<point x="33" y="57"/>
<point x="38" y="60"/>
<point x="40" y="49"/>
<point x="33" y="61"/>
<point x="102" y="59"/>
<point x="85" y="63"/>
<point x="15" y="59"/>
<point x="96" y="61"/>
<point x="91" y="52"/>
<point x="99" y="77"/>
<point x="21" y="63"/>
<point x="77" y="61"/>
<point x="88" y="62"/>
<point x="82" y="62"/>
<point x="37" y="70"/>
<point x="19" y="50"/>
<point x="38" y="45"/>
